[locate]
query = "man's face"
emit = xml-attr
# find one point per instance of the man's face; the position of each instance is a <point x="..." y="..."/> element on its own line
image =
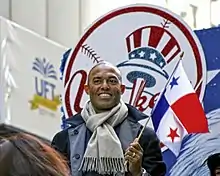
<point x="104" y="87"/>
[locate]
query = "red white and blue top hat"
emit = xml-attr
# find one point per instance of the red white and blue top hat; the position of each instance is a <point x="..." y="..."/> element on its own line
<point x="153" y="43"/>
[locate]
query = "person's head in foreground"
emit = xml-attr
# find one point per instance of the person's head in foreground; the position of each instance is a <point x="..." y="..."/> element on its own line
<point x="24" y="154"/>
<point x="213" y="163"/>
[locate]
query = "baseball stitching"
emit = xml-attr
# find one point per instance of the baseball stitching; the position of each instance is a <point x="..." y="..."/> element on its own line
<point x="165" y="23"/>
<point x="90" y="52"/>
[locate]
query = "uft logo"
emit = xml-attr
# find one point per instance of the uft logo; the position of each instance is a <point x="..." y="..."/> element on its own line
<point x="44" y="86"/>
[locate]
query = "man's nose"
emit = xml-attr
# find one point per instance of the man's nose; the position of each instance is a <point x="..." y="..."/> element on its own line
<point x="105" y="85"/>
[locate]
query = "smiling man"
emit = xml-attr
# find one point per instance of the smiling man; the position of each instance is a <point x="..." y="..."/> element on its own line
<point x="103" y="135"/>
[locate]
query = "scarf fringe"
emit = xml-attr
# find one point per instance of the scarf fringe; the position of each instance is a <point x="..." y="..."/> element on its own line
<point x="103" y="165"/>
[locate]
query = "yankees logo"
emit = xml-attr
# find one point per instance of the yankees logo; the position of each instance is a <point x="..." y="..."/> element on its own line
<point x="144" y="42"/>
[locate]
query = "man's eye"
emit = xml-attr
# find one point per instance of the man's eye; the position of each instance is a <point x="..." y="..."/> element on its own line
<point x="113" y="81"/>
<point x="97" y="81"/>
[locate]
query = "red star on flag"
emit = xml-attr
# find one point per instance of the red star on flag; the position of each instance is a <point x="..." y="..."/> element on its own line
<point x="173" y="134"/>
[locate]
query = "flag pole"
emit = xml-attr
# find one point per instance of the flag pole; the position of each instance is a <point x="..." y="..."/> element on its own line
<point x="197" y="86"/>
<point x="142" y="130"/>
<point x="180" y="58"/>
<point x="147" y="121"/>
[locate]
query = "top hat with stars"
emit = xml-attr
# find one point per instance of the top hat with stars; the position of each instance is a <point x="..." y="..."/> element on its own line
<point x="153" y="43"/>
<point x="149" y="48"/>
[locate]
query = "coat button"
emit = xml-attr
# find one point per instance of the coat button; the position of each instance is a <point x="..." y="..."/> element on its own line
<point x="77" y="156"/>
<point x="75" y="132"/>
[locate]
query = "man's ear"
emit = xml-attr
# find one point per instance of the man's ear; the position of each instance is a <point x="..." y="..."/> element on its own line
<point x="122" y="89"/>
<point x="86" y="88"/>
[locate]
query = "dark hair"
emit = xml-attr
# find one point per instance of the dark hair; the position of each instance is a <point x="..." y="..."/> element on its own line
<point x="24" y="154"/>
<point x="213" y="161"/>
<point x="7" y="131"/>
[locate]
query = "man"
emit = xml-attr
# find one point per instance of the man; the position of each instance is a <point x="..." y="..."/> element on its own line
<point x="102" y="137"/>
<point x="213" y="163"/>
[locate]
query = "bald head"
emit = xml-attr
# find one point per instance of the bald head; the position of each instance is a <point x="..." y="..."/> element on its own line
<point x="107" y="64"/>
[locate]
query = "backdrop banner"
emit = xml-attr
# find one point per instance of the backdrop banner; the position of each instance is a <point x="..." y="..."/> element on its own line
<point x="146" y="52"/>
<point x="30" y="81"/>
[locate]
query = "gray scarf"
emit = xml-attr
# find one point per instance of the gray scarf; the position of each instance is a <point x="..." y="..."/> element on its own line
<point x="104" y="153"/>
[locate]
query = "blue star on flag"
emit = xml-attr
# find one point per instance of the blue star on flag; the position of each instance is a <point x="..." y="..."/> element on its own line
<point x="174" y="82"/>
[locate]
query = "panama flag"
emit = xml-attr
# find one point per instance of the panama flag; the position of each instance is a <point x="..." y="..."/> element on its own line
<point x="178" y="111"/>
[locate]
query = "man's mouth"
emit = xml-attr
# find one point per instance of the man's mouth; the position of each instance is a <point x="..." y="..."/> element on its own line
<point x="105" y="95"/>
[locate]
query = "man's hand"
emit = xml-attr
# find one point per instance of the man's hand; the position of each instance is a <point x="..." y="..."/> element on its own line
<point x="133" y="155"/>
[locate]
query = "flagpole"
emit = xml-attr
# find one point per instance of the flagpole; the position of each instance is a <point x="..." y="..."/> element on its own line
<point x="180" y="58"/>
<point x="200" y="81"/>
<point x="142" y="130"/>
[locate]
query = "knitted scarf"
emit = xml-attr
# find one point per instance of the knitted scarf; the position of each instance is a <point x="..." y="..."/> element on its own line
<point x="104" y="153"/>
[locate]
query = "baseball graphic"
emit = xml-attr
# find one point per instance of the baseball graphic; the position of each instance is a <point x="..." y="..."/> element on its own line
<point x="145" y="42"/>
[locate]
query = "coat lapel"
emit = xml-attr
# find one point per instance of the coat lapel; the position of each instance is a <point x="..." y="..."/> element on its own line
<point x="127" y="132"/>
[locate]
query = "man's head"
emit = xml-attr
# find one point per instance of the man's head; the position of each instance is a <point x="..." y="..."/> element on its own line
<point x="213" y="163"/>
<point x="104" y="86"/>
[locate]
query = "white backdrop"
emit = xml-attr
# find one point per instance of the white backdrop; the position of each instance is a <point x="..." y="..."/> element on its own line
<point x="30" y="80"/>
